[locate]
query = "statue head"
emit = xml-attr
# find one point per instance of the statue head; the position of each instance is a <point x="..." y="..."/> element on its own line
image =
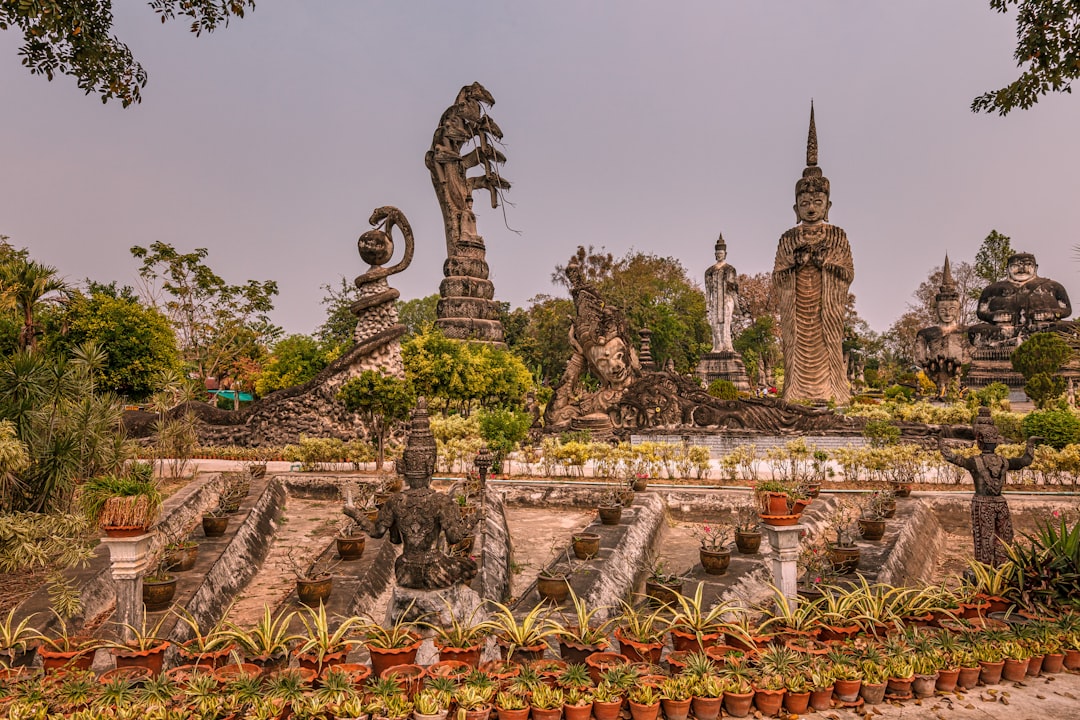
<point x="611" y="360"/>
<point x="987" y="436"/>
<point x="1022" y="267"/>
<point x="812" y="190"/>
<point x="948" y="311"/>
<point x="418" y="459"/>
<point x="720" y="249"/>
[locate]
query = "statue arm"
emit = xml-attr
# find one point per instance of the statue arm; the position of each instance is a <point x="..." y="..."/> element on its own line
<point x="951" y="457"/>
<point x="452" y="523"/>
<point x="1029" y="454"/>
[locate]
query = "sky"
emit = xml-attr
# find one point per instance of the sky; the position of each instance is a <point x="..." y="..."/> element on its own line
<point x="629" y="125"/>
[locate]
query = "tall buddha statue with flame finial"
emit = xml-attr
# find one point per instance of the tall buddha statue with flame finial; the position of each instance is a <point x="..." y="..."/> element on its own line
<point x="811" y="277"/>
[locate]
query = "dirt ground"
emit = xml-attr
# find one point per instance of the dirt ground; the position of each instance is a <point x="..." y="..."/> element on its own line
<point x="535" y="535"/>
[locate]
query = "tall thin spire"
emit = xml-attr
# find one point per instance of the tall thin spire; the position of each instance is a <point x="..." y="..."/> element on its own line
<point x="811" y="140"/>
<point x="946" y="274"/>
<point x="948" y="290"/>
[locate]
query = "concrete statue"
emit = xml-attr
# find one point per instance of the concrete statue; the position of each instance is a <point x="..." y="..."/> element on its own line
<point x="811" y="277"/>
<point x="1019" y="306"/>
<point x="721" y="304"/>
<point x="942" y="349"/>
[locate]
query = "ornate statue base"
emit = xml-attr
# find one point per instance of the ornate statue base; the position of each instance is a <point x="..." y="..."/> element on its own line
<point x="990" y="365"/>
<point x="724" y="365"/>
<point x="436" y="605"/>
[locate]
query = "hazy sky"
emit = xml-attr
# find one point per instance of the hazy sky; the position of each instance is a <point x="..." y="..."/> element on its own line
<point x="629" y="125"/>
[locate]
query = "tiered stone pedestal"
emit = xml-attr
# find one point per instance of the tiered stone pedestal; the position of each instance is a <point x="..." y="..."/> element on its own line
<point x="724" y="366"/>
<point x="434" y="606"/>
<point x="784" y="542"/>
<point x="989" y="365"/>
<point x="467" y="309"/>
<point x="128" y="559"/>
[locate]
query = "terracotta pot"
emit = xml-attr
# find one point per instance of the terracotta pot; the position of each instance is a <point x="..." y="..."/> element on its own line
<point x="522" y="714"/>
<point x="586" y="545"/>
<point x="637" y="651"/>
<point x="124" y="531"/>
<point x="383" y="658"/>
<point x="644" y="712"/>
<point x="182" y="673"/>
<point x="1053" y="662"/>
<point x="577" y="712"/>
<point x="946" y="679"/>
<point x="676" y="660"/>
<point x="1072" y="660"/>
<point x="599" y="662"/>
<point x="214" y="526"/>
<point x="847" y="691"/>
<point x="470" y="655"/>
<point x="135" y="674"/>
<point x="899" y="686"/>
<point x="1035" y="664"/>
<point x="182" y="558"/>
<point x="652" y="680"/>
<point x="715" y="562"/>
<point x="838" y="633"/>
<point x="573" y="652"/>
<point x="844" y="559"/>
<point x="797" y="703"/>
<point x="269" y="664"/>
<point x="738" y="704"/>
<point x="660" y="594"/>
<point x="997" y="603"/>
<point x="606" y="710"/>
<point x="684" y="640"/>
<point x="769" y="702"/>
<point x="972" y="610"/>
<point x="822" y="699"/>
<point x="554" y="588"/>
<point x="779" y="520"/>
<point x="990" y="672"/>
<point x="311" y="661"/>
<point x="776" y="503"/>
<point x="539" y="714"/>
<point x="872" y="530"/>
<point x="704" y="708"/>
<point x="748" y="543"/>
<point x="358" y="672"/>
<point x="924" y="685"/>
<point x="968" y="678"/>
<point x="1013" y="670"/>
<point x="351" y="547"/>
<point x="158" y="594"/>
<point x="151" y="658"/>
<point x="640" y="484"/>
<point x="872" y="693"/>
<point x="65" y="660"/>
<point x="900" y="490"/>
<point x="610" y="514"/>
<point x="675" y="709"/>
<point x="227" y="673"/>
<point x="409" y="677"/>
<point x="188" y="655"/>
<point x="306" y="676"/>
<point x="524" y="654"/>
<point x="314" y="592"/>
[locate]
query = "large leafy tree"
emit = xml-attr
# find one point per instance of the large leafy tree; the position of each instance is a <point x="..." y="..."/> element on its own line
<point x="1047" y="50"/>
<point x="384" y="400"/>
<point x="222" y="329"/>
<point x="292" y="361"/>
<point x="1038" y="359"/>
<point x="75" y="37"/>
<point x="340" y="324"/>
<point x="25" y="287"/>
<point x="992" y="259"/>
<point x="419" y="314"/>
<point x="137" y="341"/>
<point x="542" y="341"/>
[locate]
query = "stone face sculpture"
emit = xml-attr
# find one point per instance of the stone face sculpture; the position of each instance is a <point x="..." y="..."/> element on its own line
<point x="419" y="517"/>
<point x="466" y="309"/>
<point x="721" y="298"/>
<point x="811" y="277"/>
<point x="943" y="348"/>
<point x="991" y="522"/>
<point x="1022" y="304"/>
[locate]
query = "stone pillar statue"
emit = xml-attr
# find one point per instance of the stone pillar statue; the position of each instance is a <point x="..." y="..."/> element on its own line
<point x="941" y="350"/>
<point x="991" y="523"/>
<point x="811" y="277"/>
<point x="467" y="309"/>
<point x="721" y="298"/>
<point x="419" y="517"/>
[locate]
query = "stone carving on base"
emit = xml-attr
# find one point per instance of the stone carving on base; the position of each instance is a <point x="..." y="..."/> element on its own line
<point x="466" y="309"/>
<point x="991" y="522"/>
<point x="630" y="399"/>
<point x="721" y="302"/>
<point x="420" y="517"/>
<point x="942" y="349"/>
<point x="811" y="277"/>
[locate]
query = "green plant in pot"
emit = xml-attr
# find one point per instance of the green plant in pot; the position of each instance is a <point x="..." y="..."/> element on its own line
<point x="266" y="643"/>
<point x="713" y="551"/>
<point x="314" y="581"/>
<point x="324" y="644"/>
<point x="581" y="634"/>
<point x="210" y="648"/>
<point x="18" y="641"/>
<point x="459" y="638"/>
<point x="396" y="644"/>
<point x="694" y="626"/>
<point x="145" y="646"/>
<point x="662" y="584"/>
<point x="159" y="585"/>
<point x="747" y="528"/>
<point x="124" y="504"/>
<point x="640" y="632"/>
<point x="525" y="637"/>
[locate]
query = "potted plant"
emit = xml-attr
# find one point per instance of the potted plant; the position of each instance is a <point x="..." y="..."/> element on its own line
<point x="215" y="522"/>
<point x="18" y="641"/>
<point x="747" y="530"/>
<point x="607" y="701"/>
<point x="738" y="690"/>
<point x="522" y="640"/>
<point x="675" y="696"/>
<point x="578" y="704"/>
<point x="460" y="639"/>
<point x="389" y="646"/>
<point x="237" y="485"/>
<point x="872" y="690"/>
<point x="640" y="482"/>
<point x="512" y="706"/>
<point x="429" y="705"/>
<point x="872" y="522"/>
<point x="210" y="649"/>
<point x="900" y="674"/>
<point x="180" y="555"/>
<point x="66" y="650"/>
<point x="822" y="685"/>
<point x="644" y="702"/>
<point x="695" y="627"/>
<point x="265" y="645"/>
<point x="641" y="633"/>
<point x="350" y="540"/>
<point x="547" y="703"/>
<point x="713" y="551"/>
<point x="586" y="545"/>
<point x="314" y="582"/>
<point x="324" y="645"/>
<point x="662" y="586"/>
<point x="581" y="635"/>
<point x="123" y="505"/>
<point x="708" y="697"/>
<point x="553" y="583"/>
<point x="844" y="524"/>
<point x="146" y="648"/>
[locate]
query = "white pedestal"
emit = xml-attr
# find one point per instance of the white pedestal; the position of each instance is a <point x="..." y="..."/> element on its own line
<point x="785" y="546"/>
<point x="128" y="559"/>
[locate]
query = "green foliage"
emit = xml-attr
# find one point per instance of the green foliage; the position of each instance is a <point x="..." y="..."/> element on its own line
<point x="1043" y="389"/>
<point x="1047" y="565"/>
<point x="992" y="259"/>
<point x="138" y="341"/>
<point x="340" y="324"/>
<point x="50" y="542"/>
<point x="759" y="346"/>
<point x="1047" y="48"/>
<point x="502" y="430"/>
<point x="899" y="392"/>
<point x="881" y="432"/>
<point x="76" y="38"/>
<point x="419" y="314"/>
<point x="26" y="285"/>
<point x="541" y="337"/>
<point x="990" y="396"/>
<point x="293" y="360"/>
<point x="1038" y="359"/>
<point x="135" y="483"/>
<point x="1060" y="427"/>
<point x="723" y="389"/>
<point x="383" y="399"/>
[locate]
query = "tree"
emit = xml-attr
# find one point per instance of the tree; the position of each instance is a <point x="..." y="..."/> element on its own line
<point x="992" y="259"/>
<point x="221" y="328"/>
<point x="1038" y="359"/>
<point x="25" y="286"/>
<point x="544" y="343"/>
<point x="502" y="430"/>
<point x="384" y="400"/>
<point x="759" y="346"/>
<point x="1047" y="47"/>
<point x="138" y="341"/>
<point x="419" y="314"/>
<point x="74" y="37"/>
<point x="293" y="360"/>
<point x="340" y="324"/>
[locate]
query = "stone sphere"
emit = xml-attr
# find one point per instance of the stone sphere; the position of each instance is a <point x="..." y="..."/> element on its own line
<point x="376" y="247"/>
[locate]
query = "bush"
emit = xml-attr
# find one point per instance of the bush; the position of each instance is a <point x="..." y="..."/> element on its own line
<point x="1059" y="427"/>
<point x="723" y="389"/>
<point x="881" y="433"/>
<point x="502" y="430"/>
<point x="990" y="396"/>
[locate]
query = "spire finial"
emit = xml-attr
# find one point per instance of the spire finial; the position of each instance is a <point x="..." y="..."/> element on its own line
<point x="811" y="140"/>
<point x="946" y="274"/>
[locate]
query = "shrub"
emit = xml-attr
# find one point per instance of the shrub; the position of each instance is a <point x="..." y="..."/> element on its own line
<point x="1059" y="427"/>
<point x="723" y="389"/>
<point x="502" y="430"/>
<point x="881" y="433"/>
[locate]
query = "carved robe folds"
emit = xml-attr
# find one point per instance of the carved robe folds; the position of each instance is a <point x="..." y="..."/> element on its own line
<point x="812" y="274"/>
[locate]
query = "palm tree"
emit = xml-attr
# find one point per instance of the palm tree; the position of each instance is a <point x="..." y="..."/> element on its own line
<point x="25" y="285"/>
